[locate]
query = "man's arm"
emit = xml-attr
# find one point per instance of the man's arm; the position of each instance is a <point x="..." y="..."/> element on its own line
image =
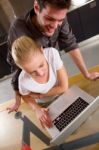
<point x="67" y="42"/>
<point x="78" y="59"/>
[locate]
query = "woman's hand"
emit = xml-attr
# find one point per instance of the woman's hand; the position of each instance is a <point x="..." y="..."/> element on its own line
<point x="12" y="108"/>
<point x="17" y="103"/>
<point x="43" y="116"/>
<point x="41" y="113"/>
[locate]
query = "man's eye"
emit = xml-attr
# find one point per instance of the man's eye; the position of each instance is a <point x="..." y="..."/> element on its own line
<point x="49" y="19"/>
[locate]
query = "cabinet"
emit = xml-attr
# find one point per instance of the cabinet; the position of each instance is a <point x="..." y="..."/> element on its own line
<point x="85" y="20"/>
<point x="4" y="66"/>
<point x="21" y="6"/>
<point x="75" y="23"/>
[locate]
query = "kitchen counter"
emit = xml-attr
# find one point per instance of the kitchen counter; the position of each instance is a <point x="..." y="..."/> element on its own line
<point x="75" y="5"/>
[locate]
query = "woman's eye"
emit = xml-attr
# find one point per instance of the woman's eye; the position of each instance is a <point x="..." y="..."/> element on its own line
<point x="33" y="73"/>
<point x="41" y="66"/>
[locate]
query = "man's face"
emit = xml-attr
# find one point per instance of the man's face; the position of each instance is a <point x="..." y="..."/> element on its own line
<point x="49" y="18"/>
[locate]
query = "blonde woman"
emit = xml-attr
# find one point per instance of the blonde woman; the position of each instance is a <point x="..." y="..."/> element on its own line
<point x="42" y="73"/>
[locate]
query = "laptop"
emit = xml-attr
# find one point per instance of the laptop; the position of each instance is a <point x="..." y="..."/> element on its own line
<point x="69" y="111"/>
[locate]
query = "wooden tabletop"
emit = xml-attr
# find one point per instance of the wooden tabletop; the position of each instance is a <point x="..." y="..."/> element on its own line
<point x="11" y="129"/>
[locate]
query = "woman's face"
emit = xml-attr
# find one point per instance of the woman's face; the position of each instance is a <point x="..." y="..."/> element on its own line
<point x="36" y="65"/>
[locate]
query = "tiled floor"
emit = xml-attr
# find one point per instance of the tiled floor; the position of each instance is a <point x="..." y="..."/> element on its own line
<point x="90" y="52"/>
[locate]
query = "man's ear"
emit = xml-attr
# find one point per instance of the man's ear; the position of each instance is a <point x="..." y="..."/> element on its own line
<point x="36" y="7"/>
<point x="41" y="49"/>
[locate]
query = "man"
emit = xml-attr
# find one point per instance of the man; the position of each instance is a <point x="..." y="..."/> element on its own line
<point x="47" y="23"/>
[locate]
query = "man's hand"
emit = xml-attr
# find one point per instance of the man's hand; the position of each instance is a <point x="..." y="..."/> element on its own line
<point x="15" y="106"/>
<point x="78" y="59"/>
<point x="93" y="76"/>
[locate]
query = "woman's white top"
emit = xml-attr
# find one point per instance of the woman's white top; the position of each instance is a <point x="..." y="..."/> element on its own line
<point x="27" y="84"/>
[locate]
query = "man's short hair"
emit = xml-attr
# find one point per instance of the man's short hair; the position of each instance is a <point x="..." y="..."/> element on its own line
<point x="54" y="3"/>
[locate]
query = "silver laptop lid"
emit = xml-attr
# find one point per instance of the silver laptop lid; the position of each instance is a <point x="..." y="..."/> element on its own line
<point x="66" y="99"/>
<point x="62" y="103"/>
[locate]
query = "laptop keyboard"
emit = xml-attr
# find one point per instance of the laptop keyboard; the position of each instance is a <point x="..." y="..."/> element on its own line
<point x="70" y="113"/>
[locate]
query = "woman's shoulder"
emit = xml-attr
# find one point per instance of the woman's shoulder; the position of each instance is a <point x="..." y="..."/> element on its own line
<point x="50" y="51"/>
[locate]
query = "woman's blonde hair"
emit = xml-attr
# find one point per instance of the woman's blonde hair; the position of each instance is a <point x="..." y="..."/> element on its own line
<point x="22" y="48"/>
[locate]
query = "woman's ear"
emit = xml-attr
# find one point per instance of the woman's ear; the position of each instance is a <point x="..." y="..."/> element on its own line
<point x="36" y="7"/>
